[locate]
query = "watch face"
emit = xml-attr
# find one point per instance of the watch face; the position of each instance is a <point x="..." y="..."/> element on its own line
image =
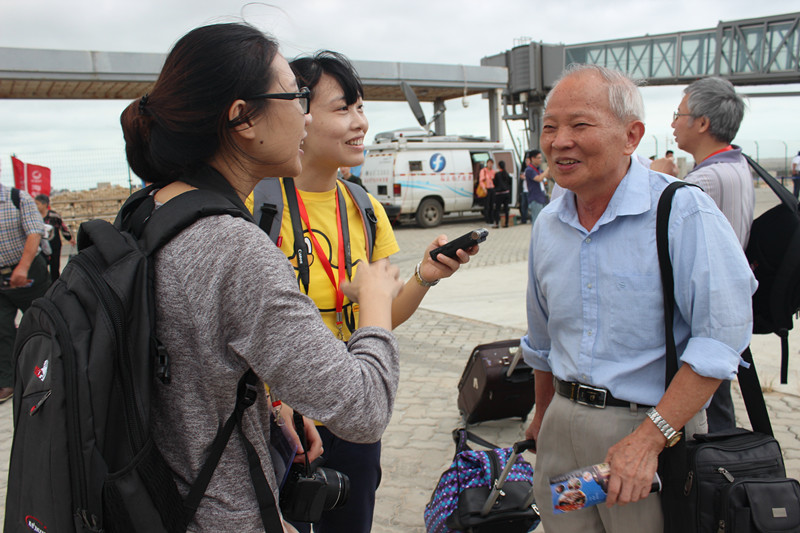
<point x="674" y="440"/>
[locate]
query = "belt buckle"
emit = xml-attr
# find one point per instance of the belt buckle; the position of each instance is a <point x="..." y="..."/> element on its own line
<point x="592" y="396"/>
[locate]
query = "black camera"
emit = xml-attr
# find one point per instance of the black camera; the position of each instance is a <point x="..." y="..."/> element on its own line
<point x="311" y="489"/>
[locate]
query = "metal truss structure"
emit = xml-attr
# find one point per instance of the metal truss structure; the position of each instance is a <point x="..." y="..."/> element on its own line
<point x="746" y="52"/>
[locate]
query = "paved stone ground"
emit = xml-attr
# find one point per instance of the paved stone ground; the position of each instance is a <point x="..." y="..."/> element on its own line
<point x="435" y="346"/>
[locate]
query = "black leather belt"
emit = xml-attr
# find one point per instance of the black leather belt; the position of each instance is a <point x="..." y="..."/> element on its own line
<point x="588" y="395"/>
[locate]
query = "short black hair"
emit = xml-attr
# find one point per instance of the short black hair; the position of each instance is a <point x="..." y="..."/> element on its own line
<point x="501" y="164"/>
<point x="42" y="198"/>
<point x="534" y="153"/>
<point x="310" y="69"/>
<point x="669" y="152"/>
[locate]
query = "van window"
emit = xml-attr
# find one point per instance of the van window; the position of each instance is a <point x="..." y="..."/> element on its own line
<point x="415" y="166"/>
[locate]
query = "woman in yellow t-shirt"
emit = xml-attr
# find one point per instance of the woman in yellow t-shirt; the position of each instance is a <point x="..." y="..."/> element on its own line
<point x="336" y="139"/>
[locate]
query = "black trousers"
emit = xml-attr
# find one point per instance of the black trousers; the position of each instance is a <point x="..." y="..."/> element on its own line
<point x="489" y="205"/>
<point x="501" y="206"/>
<point x="11" y="301"/>
<point x="54" y="261"/>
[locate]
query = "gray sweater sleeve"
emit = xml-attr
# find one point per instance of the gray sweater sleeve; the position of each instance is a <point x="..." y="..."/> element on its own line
<point x="232" y="275"/>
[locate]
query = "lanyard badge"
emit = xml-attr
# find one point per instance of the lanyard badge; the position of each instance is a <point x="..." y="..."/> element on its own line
<point x="337" y="284"/>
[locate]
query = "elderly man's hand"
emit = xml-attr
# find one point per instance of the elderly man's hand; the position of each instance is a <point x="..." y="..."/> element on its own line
<point x="634" y="461"/>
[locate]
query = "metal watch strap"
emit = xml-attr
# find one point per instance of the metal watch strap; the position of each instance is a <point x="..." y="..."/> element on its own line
<point x="421" y="281"/>
<point x="662" y="425"/>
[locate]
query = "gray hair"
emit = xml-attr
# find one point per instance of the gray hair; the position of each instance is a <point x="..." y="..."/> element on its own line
<point x="624" y="97"/>
<point x="716" y="99"/>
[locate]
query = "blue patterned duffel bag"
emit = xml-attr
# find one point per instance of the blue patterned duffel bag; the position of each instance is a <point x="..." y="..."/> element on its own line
<point x="468" y="496"/>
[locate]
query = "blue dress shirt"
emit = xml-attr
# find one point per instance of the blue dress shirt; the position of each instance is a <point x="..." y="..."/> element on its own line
<point x="595" y="305"/>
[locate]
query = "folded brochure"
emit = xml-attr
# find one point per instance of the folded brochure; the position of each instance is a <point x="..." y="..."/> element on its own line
<point x="584" y="487"/>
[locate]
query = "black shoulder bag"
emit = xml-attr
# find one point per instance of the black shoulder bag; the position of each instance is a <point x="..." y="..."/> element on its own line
<point x="731" y="481"/>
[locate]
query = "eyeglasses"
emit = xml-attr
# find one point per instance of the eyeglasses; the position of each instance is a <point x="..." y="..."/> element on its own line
<point x="675" y="115"/>
<point x="303" y="96"/>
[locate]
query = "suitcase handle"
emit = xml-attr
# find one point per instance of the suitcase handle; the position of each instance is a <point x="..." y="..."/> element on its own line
<point x="514" y="362"/>
<point x="516" y="449"/>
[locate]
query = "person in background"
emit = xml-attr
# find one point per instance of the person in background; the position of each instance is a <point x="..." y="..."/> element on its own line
<point x="796" y="174"/>
<point x="335" y="140"/>
<point x="59" y="228"/>
<point x="486" y="180"/>
<point x="704" y="125"/>
<point x="225" y="111"/>
<point x="523" y="192"/>
<point x="502" y="194"/>
<point x="537" y="198"/>
<point x="595" y="307"/>
<point x="349" y="176"/>
<point x="666" y="164"/>
<point x="23" y="274"/>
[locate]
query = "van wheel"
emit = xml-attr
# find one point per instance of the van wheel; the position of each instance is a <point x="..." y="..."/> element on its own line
<point x="429" y="214"/>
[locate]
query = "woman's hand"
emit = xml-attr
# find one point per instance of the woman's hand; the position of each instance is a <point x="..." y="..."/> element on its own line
<point x="444" y="267"/>
<point x="374" y="287"/>
<point x="380" y="279"/>
<point x="313" y="440"/>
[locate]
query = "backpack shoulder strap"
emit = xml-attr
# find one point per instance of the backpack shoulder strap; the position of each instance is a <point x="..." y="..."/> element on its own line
<point x="181" y="212"/>
<point x="368" y="219"/>
<point x="268" y="206"/>
<point x="15" y="197"/>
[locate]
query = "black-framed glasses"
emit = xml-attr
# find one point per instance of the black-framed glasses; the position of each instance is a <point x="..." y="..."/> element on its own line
<point x="676" y="114"/>
<point x="303" y="96"/>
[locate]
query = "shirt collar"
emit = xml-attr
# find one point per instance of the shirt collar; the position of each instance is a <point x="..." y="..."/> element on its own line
<point x="632" y="197"/>
<point x="728" y="156"/>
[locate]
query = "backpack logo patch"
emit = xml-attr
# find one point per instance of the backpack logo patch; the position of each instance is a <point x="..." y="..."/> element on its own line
<point x="34" y="524"/>
<point x="41" y="373"/>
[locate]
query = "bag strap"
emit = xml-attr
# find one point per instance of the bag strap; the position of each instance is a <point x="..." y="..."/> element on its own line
<point x="300" y="251"/>
<point x="268" y="206"/>
<point x="748" y="378"/>
<point x="246" y="394"/>
<point x="15" y="197"/>
<point x="461" y="436"/>
<point x="368" y="218"/>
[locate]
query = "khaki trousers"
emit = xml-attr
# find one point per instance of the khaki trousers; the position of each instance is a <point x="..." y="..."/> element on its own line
<point x="573" y="436"/>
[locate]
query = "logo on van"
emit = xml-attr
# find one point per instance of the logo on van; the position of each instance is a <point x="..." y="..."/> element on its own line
<point x="437" y="162"/>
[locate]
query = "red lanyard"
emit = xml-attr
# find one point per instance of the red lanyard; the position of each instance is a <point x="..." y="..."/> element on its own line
<point x="726" y="149"/>
<point x="324" y="259"/>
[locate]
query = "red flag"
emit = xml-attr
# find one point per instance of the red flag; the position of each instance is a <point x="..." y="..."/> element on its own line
<point x="35" y="179"/>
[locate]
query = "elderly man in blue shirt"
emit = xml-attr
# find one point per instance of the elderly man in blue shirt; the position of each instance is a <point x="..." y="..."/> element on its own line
<point x="595" y="307"/>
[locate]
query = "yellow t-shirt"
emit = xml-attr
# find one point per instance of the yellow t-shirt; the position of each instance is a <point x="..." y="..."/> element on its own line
<point x="321" y="209"/>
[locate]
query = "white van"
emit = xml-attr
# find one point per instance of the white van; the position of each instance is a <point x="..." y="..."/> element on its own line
<point x="425" y="177"/>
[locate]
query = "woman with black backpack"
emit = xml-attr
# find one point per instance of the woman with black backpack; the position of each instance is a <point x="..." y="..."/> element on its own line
<point x="226" y="111"/>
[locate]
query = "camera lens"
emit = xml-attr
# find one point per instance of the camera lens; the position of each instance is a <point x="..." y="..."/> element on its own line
<point x="337" y="487"/>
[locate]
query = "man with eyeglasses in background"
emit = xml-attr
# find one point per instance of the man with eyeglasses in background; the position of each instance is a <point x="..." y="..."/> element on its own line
<point x="704" y="125"/>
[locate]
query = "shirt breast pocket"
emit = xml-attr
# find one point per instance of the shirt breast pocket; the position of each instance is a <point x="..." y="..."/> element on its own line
<point x="637" y="313"/>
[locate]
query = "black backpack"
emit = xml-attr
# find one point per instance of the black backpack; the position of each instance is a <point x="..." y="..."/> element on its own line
<point x="83" y="457"/>
<point x="774" y="255"/>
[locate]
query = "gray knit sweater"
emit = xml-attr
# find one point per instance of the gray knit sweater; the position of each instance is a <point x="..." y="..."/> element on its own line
<point x="226" y="300"/>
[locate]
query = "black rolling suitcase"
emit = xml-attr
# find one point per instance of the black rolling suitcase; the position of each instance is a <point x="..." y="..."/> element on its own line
<point x="496" y="383"/>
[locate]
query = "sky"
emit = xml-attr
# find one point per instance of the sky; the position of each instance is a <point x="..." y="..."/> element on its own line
<point x="438" y="31"/>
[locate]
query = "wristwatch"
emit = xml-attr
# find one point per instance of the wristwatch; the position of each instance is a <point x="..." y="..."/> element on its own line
<point x="663" y="426"/>
<point x="421" y="281"/>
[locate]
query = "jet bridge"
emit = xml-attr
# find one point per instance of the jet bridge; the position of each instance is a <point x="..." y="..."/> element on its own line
<point x="759" y="51"/>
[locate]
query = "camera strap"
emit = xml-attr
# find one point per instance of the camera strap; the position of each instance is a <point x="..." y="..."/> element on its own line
<point x="300" y="429"/>
<point x="343" y="251"/>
